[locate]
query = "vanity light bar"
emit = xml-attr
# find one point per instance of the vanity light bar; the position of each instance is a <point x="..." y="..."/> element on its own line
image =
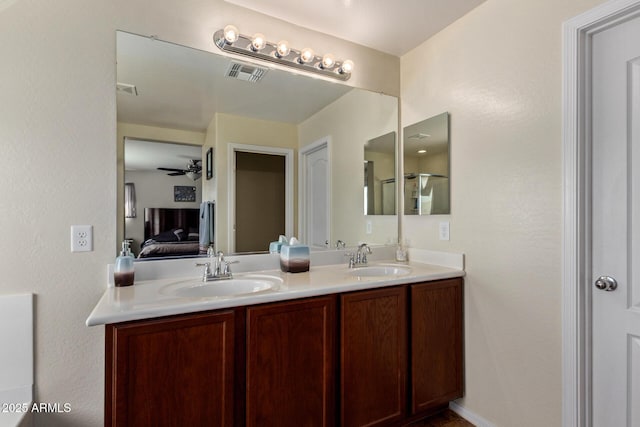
<point x="230" y="40"/>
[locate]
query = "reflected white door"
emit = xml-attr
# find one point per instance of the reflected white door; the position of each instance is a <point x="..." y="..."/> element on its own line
<point x="315" y="194"/>
<point x="616" y="225"/>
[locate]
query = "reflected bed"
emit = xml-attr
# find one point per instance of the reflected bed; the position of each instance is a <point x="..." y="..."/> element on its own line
<point x="170" y="232"/>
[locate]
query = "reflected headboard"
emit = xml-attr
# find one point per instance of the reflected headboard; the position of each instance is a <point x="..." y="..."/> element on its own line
<point x="157" y="220"/>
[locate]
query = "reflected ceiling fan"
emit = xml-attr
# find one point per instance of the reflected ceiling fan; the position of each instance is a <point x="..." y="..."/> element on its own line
<point x="193" y="170"/>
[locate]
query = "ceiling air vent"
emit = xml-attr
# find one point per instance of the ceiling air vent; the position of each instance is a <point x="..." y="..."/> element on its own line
<point x="249" y="73"/>
<point x="126" y="89"/>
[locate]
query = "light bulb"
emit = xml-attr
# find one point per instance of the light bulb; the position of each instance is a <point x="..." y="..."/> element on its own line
<point x="282" y="49"/>
<point x="346" y="67"/>
<point x="422" y="151"/>
<point x="258" y="42"/>
<point x="306" y="55"/>
<point x="328" y="61"/>
<point x="231" y="34"/>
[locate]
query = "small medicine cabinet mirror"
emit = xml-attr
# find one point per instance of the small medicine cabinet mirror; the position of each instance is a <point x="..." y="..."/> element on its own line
<point x="379" y="175"/>
<point x="427" y="167"/>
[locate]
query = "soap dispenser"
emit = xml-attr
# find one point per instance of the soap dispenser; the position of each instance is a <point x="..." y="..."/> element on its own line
<point x="123" y="272"/>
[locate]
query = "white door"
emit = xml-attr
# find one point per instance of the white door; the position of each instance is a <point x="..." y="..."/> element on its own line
<point x="616" y="225"/>
<point x="315" y="195"/>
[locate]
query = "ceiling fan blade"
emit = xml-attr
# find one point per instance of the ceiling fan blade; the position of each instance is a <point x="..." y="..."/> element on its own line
<point x="171" y="169"/>
<point x="176" y="173"/>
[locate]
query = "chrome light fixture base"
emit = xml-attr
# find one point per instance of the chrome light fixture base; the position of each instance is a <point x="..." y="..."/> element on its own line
<point x="243" y="46"/>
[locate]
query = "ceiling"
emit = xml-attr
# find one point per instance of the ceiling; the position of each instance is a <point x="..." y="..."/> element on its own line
<point x="431" y="134"/>
<point x="385" y="144"/>
<point x="182" y="88"/>
<point x="394" y="27"/>
<point x="141" y="155"/>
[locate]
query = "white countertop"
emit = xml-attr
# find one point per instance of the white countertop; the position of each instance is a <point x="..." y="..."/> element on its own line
<point x="144" y="299"/>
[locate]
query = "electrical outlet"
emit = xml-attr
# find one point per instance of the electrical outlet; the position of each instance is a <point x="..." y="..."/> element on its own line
<point x="369" y="227"/>
<point x="444" y="230"/>
<point x="81" y="238"/>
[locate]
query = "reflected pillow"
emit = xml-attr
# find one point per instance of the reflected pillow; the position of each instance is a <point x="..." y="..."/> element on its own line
<point x="175" y="235"/>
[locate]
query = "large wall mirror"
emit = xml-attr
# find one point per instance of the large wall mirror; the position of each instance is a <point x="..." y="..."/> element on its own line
<point x="178" y="104"/>
<point x="426" y="167"/>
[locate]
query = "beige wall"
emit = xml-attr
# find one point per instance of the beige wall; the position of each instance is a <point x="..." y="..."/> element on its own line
<point x="497" y="71"/>
<point x="155" y="133"/>
<point x="437" y="163"/>
<point x="209" y="186"/>
<point x="58" y="115"/>
<point x="351" y="121"/>
<point x="232" y="129"/>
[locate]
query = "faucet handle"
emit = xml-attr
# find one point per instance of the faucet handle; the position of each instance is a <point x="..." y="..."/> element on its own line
<point x="364" y="247"/>
<point x="352" y="260"/>
<point x="207" y="269"/>
<point x="363" y="250"/>
<point x="226" y="270"/>
<point x="340" y="244"/>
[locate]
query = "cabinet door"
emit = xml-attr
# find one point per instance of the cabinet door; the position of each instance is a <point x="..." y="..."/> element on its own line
<point x="291" y="363"/>
<point x="436" y="343"/>
<point x="373" y="357"/>
<point x="171" y="372"/>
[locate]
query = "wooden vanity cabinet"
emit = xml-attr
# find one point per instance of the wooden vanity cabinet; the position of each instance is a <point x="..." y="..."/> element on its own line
<point x="386" y="356"/>
<point x="176" y="371"/>
<point x="436" y="351"/>
<point x="291" y="363"/>
<point x="390" y="340"/>
<point x="373" y="355"/>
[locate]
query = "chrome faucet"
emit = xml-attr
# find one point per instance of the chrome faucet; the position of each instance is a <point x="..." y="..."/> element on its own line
<point x="359" y="258"/>
<point x="221" y="269"/>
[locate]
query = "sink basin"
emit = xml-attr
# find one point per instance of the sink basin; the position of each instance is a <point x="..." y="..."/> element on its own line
<point x="381" y="270"/>
<point x="222" y="288"/>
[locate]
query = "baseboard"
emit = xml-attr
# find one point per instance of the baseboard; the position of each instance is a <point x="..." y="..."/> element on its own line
<point x="472" y="417"/>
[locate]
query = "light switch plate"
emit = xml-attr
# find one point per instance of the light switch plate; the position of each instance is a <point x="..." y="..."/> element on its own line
<point x="444" y="230"/>
<point x="369" y="227"/>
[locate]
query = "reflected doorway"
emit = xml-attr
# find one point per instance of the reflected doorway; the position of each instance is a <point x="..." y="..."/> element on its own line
<point x="315" y="194"/>
<point x="260" y="196"/>
<point x="260" y="188"/>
